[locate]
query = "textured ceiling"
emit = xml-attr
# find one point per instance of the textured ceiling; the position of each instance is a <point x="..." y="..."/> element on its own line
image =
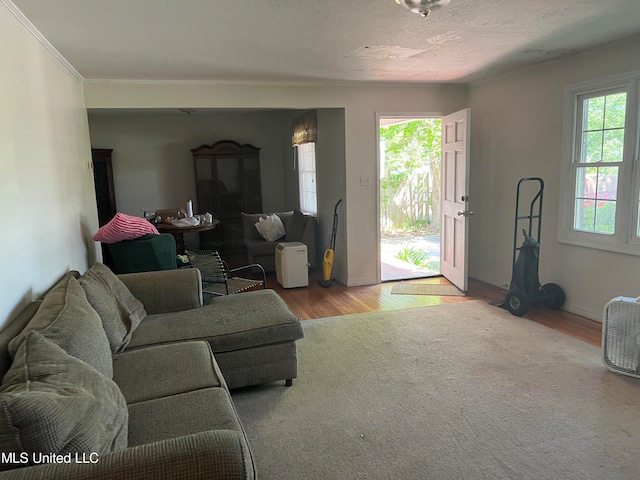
<point x="322" y="41"/>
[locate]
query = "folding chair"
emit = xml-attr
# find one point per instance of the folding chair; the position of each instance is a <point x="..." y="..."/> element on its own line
<point x="216" y="272"/>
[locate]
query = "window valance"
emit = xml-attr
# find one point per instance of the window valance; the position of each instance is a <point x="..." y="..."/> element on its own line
<point x="304" y="129"/>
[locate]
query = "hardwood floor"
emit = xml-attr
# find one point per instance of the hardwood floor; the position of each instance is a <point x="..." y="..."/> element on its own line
<point x="317" y="302"/>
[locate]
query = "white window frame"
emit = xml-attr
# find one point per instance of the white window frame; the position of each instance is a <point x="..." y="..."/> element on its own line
<point x="307" y="170"/>
<point x="625" y="239"/>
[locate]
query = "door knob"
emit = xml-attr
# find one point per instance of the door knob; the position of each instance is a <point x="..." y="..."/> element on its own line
<point x="466" y="213"/>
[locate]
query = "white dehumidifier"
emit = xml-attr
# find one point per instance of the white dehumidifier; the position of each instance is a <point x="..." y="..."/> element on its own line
<point x="621" y="336"/>
<point x="292" y="265"/>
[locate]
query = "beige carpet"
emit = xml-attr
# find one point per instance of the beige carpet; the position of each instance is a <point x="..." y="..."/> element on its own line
<point x="456" y="391"/>
<point x="425" y="289"/>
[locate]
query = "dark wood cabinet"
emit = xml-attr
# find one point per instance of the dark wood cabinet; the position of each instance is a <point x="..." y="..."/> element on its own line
<point x="105" y="193"/>
<point x="103" y="180"/>
<point x="227" y="183"/>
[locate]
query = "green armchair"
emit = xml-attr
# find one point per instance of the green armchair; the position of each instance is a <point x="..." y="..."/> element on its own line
<point x="145" y="254"/>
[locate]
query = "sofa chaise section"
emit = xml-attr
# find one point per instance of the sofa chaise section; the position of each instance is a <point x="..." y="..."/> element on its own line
<point x="252" y="335"/>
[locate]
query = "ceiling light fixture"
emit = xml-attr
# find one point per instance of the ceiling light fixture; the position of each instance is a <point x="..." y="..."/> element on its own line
<point x="422" y="7"/>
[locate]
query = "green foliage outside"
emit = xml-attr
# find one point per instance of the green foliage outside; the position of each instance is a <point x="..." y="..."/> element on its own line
<point x="418" y="257"/>
<point x="602" y="146"/>
<point x="410" y="174"/>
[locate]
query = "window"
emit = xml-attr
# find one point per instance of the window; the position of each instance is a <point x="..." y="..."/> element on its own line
<point x="307" y="177"/>
<point x="601" y="195"/>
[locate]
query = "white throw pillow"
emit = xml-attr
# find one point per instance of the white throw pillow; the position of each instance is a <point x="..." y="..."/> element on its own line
<point x="271" y="228"/>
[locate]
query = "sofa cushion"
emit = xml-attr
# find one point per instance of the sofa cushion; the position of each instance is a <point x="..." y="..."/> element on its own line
<point x="51" y="402"/>
<point x="248" y="225"/>
<point x="166" y="290"/>
<point x="261" y="247"/>
<point x="183" y="414"/>
<point x="295" y="226"/>
<point x="12" y="329"/>
<point x="249" y="220"/>
<point x="228" y="323"/>
<point x="119" y="310"/>
<point x="163" y="370"/>
<point x="270" y="228"/>
<point x="67" y="319"/>
<point x="124" y="227"/>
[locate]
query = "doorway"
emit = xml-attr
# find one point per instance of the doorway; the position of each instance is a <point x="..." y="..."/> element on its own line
<point x="410" y="161"/>
<point x="103" y="181"/>
<point x="105" y="193"/>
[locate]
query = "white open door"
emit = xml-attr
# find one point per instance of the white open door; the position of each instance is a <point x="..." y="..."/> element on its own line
<point x="455" y="198"/>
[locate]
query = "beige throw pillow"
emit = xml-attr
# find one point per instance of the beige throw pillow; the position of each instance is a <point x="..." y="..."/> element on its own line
<point x="271" y="228"/>
<point x="51" y="402"/>
<point x="119" y="310"/>
<point x="67" y="319"/>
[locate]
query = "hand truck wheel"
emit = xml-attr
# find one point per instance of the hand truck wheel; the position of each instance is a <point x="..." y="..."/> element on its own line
<point x="517" y="302"/>
<point x="553" y="296"/>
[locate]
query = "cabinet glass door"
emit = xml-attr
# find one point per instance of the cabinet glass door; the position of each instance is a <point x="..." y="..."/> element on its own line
<point x="252" y="185"/>
<point x="204" y="177"/>
<point x="228" y="186"/>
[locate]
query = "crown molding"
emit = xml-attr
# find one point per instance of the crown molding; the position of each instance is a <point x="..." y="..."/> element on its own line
<point x="38" y="36"/>
<point x="265" y="83"/>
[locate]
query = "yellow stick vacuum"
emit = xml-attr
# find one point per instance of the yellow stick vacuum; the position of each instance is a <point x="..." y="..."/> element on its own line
<point x="327" y="263"/>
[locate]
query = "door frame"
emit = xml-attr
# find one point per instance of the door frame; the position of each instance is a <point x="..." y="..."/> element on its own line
<point x="398" y="115"/>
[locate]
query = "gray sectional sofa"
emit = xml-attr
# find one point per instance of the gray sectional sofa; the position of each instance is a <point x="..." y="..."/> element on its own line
<point x="128" y="377"/>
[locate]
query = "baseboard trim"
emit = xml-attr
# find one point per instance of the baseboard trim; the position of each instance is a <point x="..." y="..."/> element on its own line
<point x="583" y="312"/>
<point x="360" y="282"/>
<point x="567" y="307"/>
<point x="494" y="282"/>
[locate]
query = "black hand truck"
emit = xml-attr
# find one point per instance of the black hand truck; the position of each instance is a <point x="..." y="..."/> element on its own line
<point x="525" y="289"/>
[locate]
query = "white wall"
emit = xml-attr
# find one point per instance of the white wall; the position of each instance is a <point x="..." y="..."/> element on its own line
<point x="330" y="175"/>
<point x="517" y="128"/>
<point x="152" y="161"/>
<point x="153" y="166"/>
<point x="46" y="188"/>
<point x="360" y="103"/>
